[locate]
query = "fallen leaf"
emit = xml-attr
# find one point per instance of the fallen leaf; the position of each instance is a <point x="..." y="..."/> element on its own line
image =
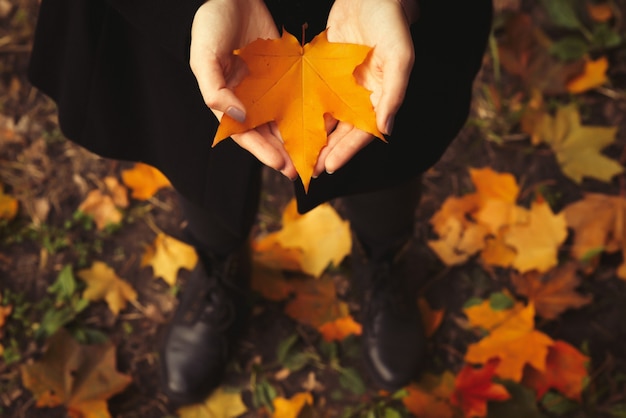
<point x="600" y="12"/>
<point x="492" y="185"/>
<point x="497" y="252"/>
<point x="8" y="205"/>
<point x="81" y="377"/>
<point x="340" y="329"/>
<point x="270" y="283"/>
<point x="484" y="316"/>
<point x="290" y="408"/>
<point x="578" y="147"/>
<point x="103" y="283"/>
<point x="474" y="387"/>
<point x="524" y="51"/>
<point x="101" y="208"/>
<point x="144" y="181"/>
<point x="565" y="371"/>
<point x="318" y="238"/>
<point x="593" y="76"/>
<point x="220" y="404"/>
<point x="5" y="311"/>
<point x="553" y="293"/>
<point x="118" y="192"/>
<point x="315" y="302"/>
<point x="430" y="398"/>
<point x="537" y="241"/>
<point x="599" y="223"/>
<point x="167" y="255"/>
<point x="295" y="86"/>
<point x="515" y="342"/>
<point x="431" y="318"/>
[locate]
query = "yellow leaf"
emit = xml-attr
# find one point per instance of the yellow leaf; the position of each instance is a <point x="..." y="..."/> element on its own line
<point x="295" y="86"/>
<point x="144" y="180"/>
<point x="593" y="76"/>
<point x="8" y="205"/>
<point x="515" y="342"/>
<point x="118" y="192"/>
<point x="340" y="328"/>
<point x="493" y="185"/>
<point x="103" y="283"/>
<point x="81" y="377"/>
<point x="483" y="316"/>
<point x="320" y="237"/>
<point x="537" y="241"/>
<point x="497" y="253"/>
<point x="290" y="408"/>
<point x="101" y="208"/>
<point x="554" y="293"/>
<point x="167" y="255"/>
<point x="578" y="147"/>
<point x="220" y="404"/>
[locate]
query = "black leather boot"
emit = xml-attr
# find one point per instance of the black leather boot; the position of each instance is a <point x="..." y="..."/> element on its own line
<point x="394" y="341"/>
<point x="210" y="317"/>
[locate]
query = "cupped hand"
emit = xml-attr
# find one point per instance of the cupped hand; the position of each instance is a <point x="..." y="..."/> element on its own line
<point x="219" y="27"/>
<point x="383" y="25"/>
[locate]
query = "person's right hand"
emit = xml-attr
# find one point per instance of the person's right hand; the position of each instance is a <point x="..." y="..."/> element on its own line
<point x="219" y="27"/>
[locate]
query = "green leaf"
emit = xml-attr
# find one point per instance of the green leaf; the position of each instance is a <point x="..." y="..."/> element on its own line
<point x="473" y="301"/>
<point x="605" y="37"/>
<point x="569" y="49"/>
<point x="349" y="379"/>
<point x="558" y="404"/>
<point x="562" y="13"/>
<point x="522" y="403"/>
<point x="500" y="301"/>
<point x="329" y="350"/>
<point x="297" y="361"/>
<point x="591" y="254"/>
<point x="65" y="284"/>
<point x="285" y="346"/>
<point x="392" y="413"/>
<point x="53" y="320"/>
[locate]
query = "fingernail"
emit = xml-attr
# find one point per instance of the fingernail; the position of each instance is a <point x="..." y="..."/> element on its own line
<point x="389" y="125"/>
<point x="237" y="114"/>
<point x="329" y="172"/>
<point x="314" y="176"/>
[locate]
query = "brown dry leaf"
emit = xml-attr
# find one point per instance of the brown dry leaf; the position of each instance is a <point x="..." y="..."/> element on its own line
<point x="340" y="329"/>
<point x="220" y="404"/>
<point x="167" y="255"/>
<point x="537" y="241"/>
<point x="295" y="86"/>
<point x="144" y="181"/>
<point x="101" y="208"/>
<point x="8" y="205"/>
<point x="315" y="302"/>
<point x="474" y="387"/>
<point x="5" y="311"/>
<point x="319" y="237"/>
<point x="104" y="284"/>
<point x="270" y="283"/>
<point x="554" y="293"/>
<point x="431" y="318"/>
<point x="593" y="76"/>
<point x="600" y="12"/>
<point x="81" y="377"/>
<point x="515" y="342"/>
<point x="290" y="408"/>
<point x="524" y="50"/>
<point x="578" y="147"/>
<point x="430" y="398"/>
<point x="599" y="223"/>
<point x="566" y="371"/>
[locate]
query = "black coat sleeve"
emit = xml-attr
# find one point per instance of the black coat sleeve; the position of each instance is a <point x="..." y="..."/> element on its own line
<point x="165" y="22"/>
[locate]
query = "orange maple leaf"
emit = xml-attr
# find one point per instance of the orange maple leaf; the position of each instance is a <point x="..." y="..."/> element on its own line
<point x="295" y="86"/>
<point x="566" y="371"/>
<point x="340" y="328"/>
<point x="290" y="408"/>
<point x="515" y="342"/>
<point x="554" y="293"/>
<point x="593" y="76"/>
<point x="144" y="181"/>
<point x="473" y="388"/>
<point x="430" y="397"/>
<point x="315" y="301"/>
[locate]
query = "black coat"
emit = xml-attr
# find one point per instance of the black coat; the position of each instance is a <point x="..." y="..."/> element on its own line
<point x="119" y="71"/>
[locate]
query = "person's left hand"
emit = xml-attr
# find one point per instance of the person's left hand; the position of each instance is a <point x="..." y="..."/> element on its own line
<point x="383" y="25"/>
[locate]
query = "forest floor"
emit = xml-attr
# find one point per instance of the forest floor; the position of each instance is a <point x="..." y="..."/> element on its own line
<point x="281" y="356"/>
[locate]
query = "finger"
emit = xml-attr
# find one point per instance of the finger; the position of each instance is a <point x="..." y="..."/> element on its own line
<point x="346" y="148"/>
<point x="209" y="73"/>
<point x="340" y="130"/>
<point x="267" y="149"/>
<point x="396" y="73"/>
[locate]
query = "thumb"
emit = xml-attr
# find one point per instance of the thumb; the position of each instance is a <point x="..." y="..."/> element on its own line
<point x="215" y="92"/>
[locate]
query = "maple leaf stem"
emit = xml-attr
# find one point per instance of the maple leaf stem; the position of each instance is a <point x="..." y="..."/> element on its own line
<point x="305" y="26"/>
